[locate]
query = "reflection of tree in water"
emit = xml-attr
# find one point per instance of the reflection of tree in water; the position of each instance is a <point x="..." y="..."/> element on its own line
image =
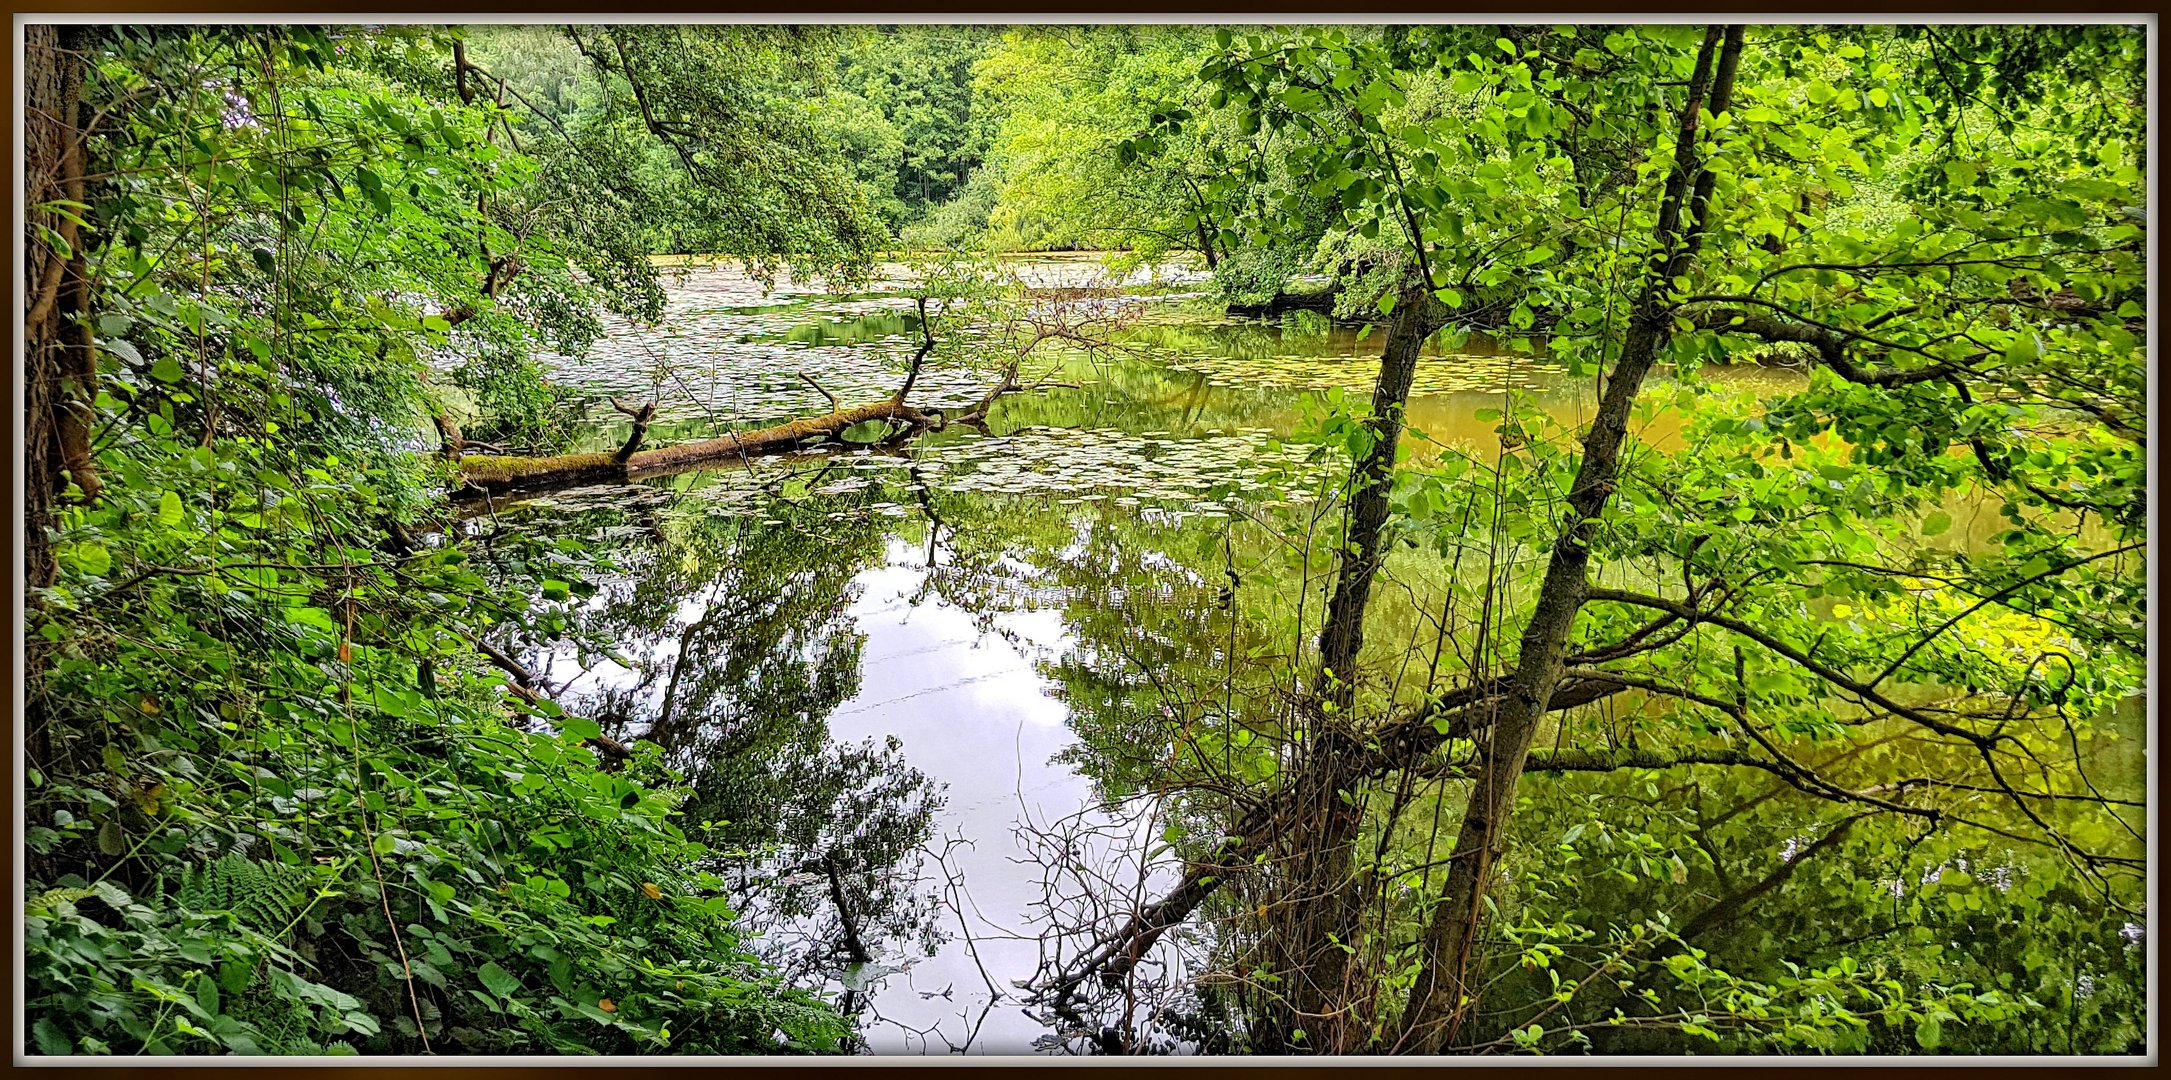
<point x="844" y="882"/>
<point x="733" y="643"/>
<point x="1762" y="879"/>
<point x="1174" y="709"/>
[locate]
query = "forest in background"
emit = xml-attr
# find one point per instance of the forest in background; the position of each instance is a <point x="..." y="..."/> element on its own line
<point x="289" y="292"/>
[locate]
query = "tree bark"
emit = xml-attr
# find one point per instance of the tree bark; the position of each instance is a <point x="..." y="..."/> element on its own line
<point x="640" y="417"/>
<point x="1342" y="638"/>
<point x="1206" y="247"/>
<point x="1439" y="999"/>
<point x="60" y="365"/>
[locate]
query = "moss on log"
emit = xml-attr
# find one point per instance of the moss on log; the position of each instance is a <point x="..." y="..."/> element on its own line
<point x="492" y="475"/>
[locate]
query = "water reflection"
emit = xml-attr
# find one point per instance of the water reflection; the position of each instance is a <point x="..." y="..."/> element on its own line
<point x="729" y="648"/>
<point x="946" y="711"/>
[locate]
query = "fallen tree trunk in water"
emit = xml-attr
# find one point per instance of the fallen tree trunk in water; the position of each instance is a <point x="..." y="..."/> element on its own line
<point x="492" y="475"/>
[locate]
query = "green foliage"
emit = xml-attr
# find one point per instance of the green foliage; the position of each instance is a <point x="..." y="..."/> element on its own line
<point x="1876" y="794"/>
<point x="517" y="405"/>
<point x="961" y="223"/>
<point x="904" y="99"/>
<point x="263" y="895"/>
<point x="700" y="138"/>
<point x="1950" y="286"/>
<point x="1084" y="159"/>
<point x="310" y="818"/>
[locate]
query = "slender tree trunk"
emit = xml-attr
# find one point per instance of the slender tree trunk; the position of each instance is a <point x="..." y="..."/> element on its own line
<point x="919" y="357"/>
<point x="60" y="368"/>
<point x="1342" y="638"/>
<point x="1439" y="999"/>
<point x="1310" y="929"/>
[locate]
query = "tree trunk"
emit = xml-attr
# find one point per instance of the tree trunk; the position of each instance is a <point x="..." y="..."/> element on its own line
<point x="493" y="475"/>
<point x="60" y="368"/>
<point x="1342" y="638"/>
<point x="927" y="345"/>
<point x="1438" y="1001"/>
<point x="1310" y="929"/>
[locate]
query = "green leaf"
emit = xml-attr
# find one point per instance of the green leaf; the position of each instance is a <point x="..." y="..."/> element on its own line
<point x="167" y="370"/>
<point x="392" y="701"/>
<point x="384" y="844"/>
<point x="125" y="350"/>
<point x="1936" y="523"/>
<point x="92" y="558"/>
<point x="2093" y="190"/>
<point x="1930" y="1033"/>
<point x="169" y="509"/>
<point x="50" y="1041"/>
<point x="577" y="728"/>
<point x="2024" y="349"/>
<point x="497" y="980"/>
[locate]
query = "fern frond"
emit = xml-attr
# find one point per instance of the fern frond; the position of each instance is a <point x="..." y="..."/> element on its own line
<point x="261" y="895"/>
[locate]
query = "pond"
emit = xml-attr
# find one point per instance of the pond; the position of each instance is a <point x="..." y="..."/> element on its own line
<point x="919" y="687"/>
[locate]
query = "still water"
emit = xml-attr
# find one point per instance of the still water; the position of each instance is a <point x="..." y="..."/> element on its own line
<point x="906" y="680"/>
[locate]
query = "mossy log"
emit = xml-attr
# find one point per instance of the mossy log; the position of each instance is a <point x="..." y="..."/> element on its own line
<point x="495" y="474"/>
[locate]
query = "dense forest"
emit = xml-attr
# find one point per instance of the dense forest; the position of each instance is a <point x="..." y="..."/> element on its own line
<point x="1521" y="539"/>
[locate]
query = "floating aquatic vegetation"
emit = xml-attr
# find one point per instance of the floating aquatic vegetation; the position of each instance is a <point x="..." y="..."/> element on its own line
<point x="1442" y="374"/>
<point x="1080" y="466"/>
<point x="728" y="354"/>
<point x="736" y="370"/>
<point x="1217" y="475"/>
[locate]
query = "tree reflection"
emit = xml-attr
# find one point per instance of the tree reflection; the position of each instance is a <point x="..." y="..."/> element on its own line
<point x="1617" y="873"/>
<point x="727" y="641"/>
<point x="1179" y="646"/>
